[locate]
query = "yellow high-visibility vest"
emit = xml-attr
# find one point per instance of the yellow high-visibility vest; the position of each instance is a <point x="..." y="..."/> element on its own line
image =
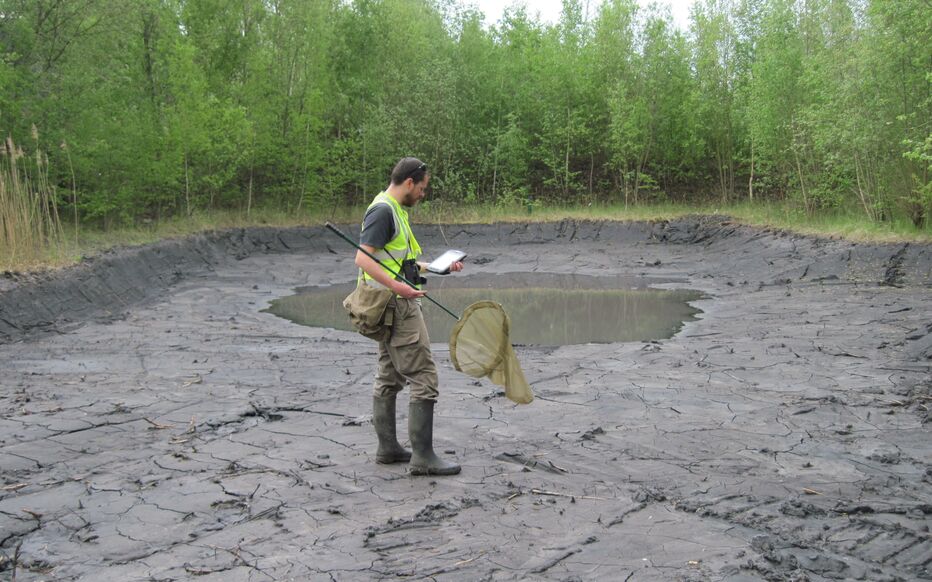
<point x="403" y="246"/>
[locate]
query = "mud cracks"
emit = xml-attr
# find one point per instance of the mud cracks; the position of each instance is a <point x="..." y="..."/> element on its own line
<point x="156" y="426"/>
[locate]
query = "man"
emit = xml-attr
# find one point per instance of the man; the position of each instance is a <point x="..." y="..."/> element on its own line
<point x="405" y="355"/>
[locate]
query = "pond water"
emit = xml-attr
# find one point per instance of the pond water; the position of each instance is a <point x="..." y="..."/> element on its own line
<point x="545" y="309"/>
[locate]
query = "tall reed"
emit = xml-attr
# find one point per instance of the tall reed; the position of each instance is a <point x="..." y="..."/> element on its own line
<point x="30" y="229"/>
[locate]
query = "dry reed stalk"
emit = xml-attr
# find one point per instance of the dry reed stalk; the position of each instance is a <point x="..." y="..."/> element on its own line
<point x="29" y="221"/>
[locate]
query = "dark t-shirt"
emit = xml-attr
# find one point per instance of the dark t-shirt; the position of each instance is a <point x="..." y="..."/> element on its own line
<point x="378" y="227"/>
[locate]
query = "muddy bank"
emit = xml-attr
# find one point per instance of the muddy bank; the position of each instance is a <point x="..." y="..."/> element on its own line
<point x="107" y="285"/>
<point x="154" y="424"/>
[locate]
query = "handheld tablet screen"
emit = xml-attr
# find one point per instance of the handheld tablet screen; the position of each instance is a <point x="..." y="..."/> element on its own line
<point x="442" y="264"/>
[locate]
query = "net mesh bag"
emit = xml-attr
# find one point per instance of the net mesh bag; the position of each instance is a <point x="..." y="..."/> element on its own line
<point x="479" y="347"/>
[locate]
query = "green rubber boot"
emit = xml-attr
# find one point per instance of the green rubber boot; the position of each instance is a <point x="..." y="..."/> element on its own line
<point x="383" y="418"/>
<point x="421" y="431"/>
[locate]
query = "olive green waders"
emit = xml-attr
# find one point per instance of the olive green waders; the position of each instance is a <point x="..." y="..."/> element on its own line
<point x="405" y="357"/>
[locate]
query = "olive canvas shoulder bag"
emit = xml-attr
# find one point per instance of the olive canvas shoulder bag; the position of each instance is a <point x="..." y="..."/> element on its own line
<point x="368" y="310"/>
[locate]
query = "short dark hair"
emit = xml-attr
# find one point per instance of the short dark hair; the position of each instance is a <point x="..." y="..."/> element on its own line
<point x="409" y="168"/>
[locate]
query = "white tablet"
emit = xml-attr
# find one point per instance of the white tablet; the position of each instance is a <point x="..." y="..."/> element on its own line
<point x="442" y="264"/>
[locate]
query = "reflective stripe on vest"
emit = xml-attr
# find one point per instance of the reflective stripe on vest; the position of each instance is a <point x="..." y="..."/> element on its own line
<point x="402" y="246"/>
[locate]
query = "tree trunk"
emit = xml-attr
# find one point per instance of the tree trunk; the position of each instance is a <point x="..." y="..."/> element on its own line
<point x="148" y="31"/>
<point x="863" y="192"/>
<point x="802" y="182"/>
<point x="74" y="191"/>
<point x="249" y="193"/>
<point x="187" y="187"/>
<point x="307" y="145"/>
<point x="722" y="178"/>
<point x="566" y="161"/>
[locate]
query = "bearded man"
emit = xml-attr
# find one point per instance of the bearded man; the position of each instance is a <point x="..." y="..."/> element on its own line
<point x="404" y="357"/>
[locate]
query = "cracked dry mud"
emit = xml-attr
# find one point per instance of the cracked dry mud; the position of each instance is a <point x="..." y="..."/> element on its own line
<point x="157" y="426"/>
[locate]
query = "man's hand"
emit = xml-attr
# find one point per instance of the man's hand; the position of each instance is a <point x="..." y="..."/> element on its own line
<point x="406" y="290"/>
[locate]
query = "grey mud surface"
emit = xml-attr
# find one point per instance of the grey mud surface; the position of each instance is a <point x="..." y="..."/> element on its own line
<point x="155" y="425"/>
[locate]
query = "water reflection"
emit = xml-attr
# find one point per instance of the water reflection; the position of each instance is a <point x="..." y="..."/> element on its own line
<point x="545" y="309"/>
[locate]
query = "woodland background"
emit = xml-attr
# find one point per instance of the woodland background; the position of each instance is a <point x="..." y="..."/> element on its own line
<point x="139" y="110"/>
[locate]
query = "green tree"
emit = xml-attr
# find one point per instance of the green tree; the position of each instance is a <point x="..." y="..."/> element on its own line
<point x="715" y="56"/>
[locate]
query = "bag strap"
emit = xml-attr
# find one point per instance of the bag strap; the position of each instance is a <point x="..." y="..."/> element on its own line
<point x="396" y="260"/>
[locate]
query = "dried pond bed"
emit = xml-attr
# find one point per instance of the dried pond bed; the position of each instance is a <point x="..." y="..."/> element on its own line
<point x="156" y="425"/>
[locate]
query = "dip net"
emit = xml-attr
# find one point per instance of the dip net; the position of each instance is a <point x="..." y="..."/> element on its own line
<point x="480" y="347"/>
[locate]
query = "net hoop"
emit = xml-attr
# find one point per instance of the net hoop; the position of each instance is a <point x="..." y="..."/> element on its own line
<point x="506" y="330"/>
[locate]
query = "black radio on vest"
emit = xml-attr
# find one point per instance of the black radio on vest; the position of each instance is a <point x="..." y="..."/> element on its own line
<point x="411" y="272"/>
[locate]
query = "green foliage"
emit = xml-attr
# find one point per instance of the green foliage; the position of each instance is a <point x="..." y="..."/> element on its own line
<point x="173" y="108"/>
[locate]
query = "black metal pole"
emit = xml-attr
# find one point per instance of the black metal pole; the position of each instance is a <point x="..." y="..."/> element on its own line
<point x="339" y="233"/>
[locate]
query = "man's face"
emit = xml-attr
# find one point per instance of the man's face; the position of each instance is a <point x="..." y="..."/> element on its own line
<point x="416" y="191"/>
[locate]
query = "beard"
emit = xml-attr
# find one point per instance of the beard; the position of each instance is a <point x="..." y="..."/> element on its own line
<point x="409" y="199"/>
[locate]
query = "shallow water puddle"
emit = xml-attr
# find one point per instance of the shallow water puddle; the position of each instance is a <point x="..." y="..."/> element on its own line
<point x="545" y="309"/>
